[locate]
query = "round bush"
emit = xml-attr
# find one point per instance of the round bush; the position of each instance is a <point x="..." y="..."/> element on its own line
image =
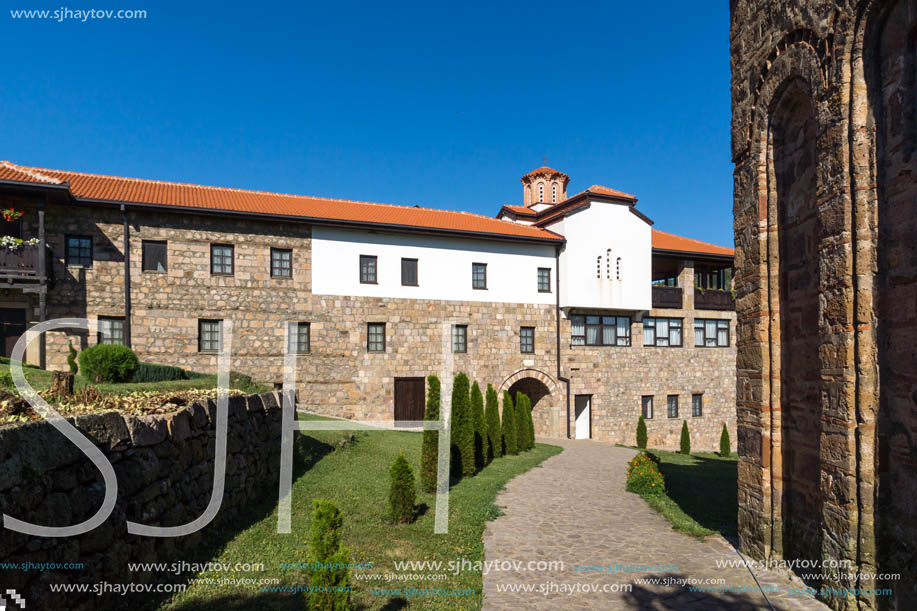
<point x="108" y="363"/>
<point x="643" y="476"/>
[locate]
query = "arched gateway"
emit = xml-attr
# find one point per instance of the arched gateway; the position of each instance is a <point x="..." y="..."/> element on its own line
<point x="544" y="394"/>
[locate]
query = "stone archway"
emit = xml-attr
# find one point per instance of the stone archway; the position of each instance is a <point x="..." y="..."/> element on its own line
<point x="541" y="390"/>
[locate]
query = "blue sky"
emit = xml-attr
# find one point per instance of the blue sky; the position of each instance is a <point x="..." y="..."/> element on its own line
<point x="440" y="104"/>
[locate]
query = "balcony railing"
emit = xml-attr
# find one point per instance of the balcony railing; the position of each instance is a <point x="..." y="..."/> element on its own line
<point x="23" y="263"/>
<point x="667" y="297"/>
<point x="713" y="299"/>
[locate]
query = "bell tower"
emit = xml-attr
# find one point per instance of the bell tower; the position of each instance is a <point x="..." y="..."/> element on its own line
<point x="544" y="186"/>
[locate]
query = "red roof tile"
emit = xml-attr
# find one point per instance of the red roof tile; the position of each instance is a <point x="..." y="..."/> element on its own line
<point x="181" y="195"/>
<point x="670" y="241"/>
<point x="545" y="170"/>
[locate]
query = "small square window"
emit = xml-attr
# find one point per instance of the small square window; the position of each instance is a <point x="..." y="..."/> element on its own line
<point x="646" y="403"/>
<point x="111" y="330"/>
<point x="697" y="405"/>
<point x="527" y="339"/>
<point x="210" y="335"/>
<point x="409" y="272"/>
<point x="155" y="255"/>
<point x="672" y="403"/>
<point x="479" y="276"/>
<point x="375" y="336"/>
<point x="300" y="337"/>
<point x="221" y="259"/>
<point x="78" y="252"/>
<point x="367" y="269"/>
<point x="459" y="338"/>
<point x="281" y="263"/>
<point x="544" y="279"/>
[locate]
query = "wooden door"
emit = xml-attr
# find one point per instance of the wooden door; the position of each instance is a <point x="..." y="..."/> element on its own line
<point x="12" y="326"/>
<point x="409" y="399"/>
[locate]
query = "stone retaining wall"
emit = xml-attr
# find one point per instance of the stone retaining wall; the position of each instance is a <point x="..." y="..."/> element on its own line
<point x="164" y="467"/>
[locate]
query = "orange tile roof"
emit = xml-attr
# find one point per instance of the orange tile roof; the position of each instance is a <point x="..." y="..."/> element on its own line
<point x="520" y="209"/>
<point x="670" y="241"/>
<point x="545" y="170"/>
<point x="181" y="195"/>
<point x="610" y="191"/>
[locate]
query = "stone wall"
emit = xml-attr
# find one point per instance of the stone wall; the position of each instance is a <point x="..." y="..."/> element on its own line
<point x="164" y="466"/>
<point x="823" y="136"/>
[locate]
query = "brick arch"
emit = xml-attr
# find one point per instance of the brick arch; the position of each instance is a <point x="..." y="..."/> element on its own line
<point x="537" y="374"/>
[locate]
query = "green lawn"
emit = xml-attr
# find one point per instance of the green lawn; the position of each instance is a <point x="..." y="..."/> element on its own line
<point x="356" y="479"/>
<point x="701" y="492"/>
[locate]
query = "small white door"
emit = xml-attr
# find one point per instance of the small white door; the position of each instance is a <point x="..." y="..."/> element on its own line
<point x="583" y="415"/>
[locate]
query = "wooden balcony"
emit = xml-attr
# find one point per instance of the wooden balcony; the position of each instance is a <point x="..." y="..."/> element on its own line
<point x="667" y="297"/>
<point x="713" y="299"/>
<point x="23" y="264"/>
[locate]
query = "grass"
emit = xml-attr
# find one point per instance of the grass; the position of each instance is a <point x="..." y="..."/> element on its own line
<point x="701" y="493"/>
<point x="356" y="478"/>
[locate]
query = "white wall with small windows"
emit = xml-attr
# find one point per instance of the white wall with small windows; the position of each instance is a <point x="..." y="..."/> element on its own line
<point x="607" y="261"/>
<point x="444" y="267"/>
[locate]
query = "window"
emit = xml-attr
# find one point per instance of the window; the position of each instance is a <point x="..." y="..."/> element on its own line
<point x="78" y="251"/>
<point x="544" y="279"/>
<point x="697" y="405"/>
<point x="554" y="194"/>
<point x="209" y="335"/>
<point x="281" y="263"/>
<point x="672" y="403"/>
<point x="111" y="330"/>
<point x="155" y="255"/>
<point x="300" y="338"/>
<point x="479" y="276"/>
<point x="367" y="269"/>
<point x="618" y="268"/>
<point x="409" y="272"/>
<point x="375" y="336"/>
<point x="647" y="404"/>
<point x="711" y="332"/>
<point x="541" y="192"/>
<point x="661" y="331"/>
<point x="527" y="339"/>
<point x="221" y="263"/>
<point x="600" y="330"/>
<point x="459" y="338"/>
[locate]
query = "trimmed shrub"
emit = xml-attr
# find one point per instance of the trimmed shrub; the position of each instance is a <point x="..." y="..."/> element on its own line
<point x="108" y="363"/>
<point x="6" y="381"/>
<point x="641" y="433"/>
<point x="530" y="421"/>
<point x="71" y="358"/>
<point x="429" y="459"/>
<point x="328" y="559"/>
<point x="492" y="416"/>
<point x="243" y="382"/>
<point x="402" y="492"/>
<point x="685" y="438"/>
<point x="643" y="476"/>
<point x="480" y="425"/>
<point x="522" y="429"/>
<point x="725" y="450"/>
<point x="151" y="372"/>
<point x="462" y="428"/>
<point x="509" y="426"/>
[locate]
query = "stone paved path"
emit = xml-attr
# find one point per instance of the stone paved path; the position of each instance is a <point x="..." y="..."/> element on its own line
<point x="574" y="508"/>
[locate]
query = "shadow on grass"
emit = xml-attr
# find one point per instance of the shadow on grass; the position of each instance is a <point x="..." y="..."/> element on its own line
<point x="704" y="488"/>
<point x="645" y="599"/>
<point x="219" y="532"/>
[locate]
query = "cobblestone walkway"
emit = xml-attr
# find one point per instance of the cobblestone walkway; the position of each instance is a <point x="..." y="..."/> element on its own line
<point x="574" y="508"/>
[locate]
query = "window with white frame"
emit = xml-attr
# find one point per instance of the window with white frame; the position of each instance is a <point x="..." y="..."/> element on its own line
<point x="661" y="331"/>
<point x="594" y="330"/>
<point x="711" y="332"/>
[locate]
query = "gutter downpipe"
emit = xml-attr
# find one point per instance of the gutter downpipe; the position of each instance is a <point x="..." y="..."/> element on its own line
<point x="561" y="378"/>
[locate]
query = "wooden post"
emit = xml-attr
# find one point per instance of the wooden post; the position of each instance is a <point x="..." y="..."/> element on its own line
<point x="42" y="283"/>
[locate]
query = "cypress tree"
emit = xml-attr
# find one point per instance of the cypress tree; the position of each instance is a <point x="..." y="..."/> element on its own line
<point x="522" y="433"/>
<point x="462" y="428"/>
<point x="685" y="438"/>
<point x="401" y="493"/>
<point x="725" y="450"/>
<point x="480" y="426"/>
<point x="330" y="589"/>
<point x="509" y="426"/>
<point x="71" y="358"/>
<point x="641" y="433"/>
<point x="492" y="416"/>
<point x="531" y="422"/>
<point x="430" y="453"/>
